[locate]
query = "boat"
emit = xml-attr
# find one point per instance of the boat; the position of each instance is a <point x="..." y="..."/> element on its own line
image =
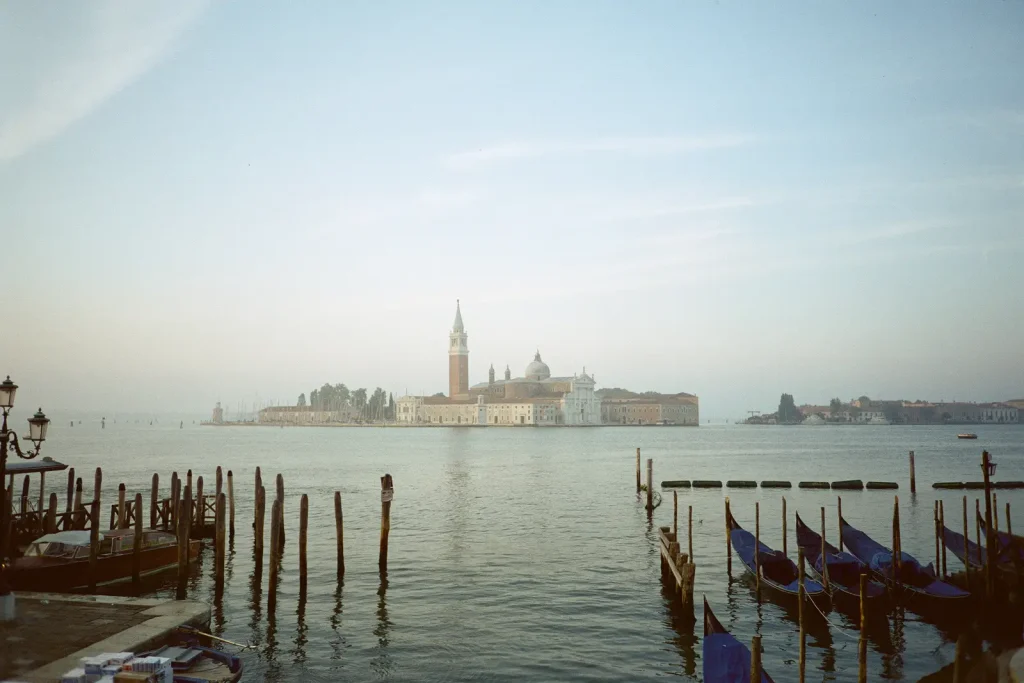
<point x="964" y="549"/>
<point x="924" y="588"/>
<point x="967" y="436"/>
<point x="843" y="569"/>
<point x="197" y="664"/>
<point x="778" y="572"/>
<point x="1010" y="547"/>
<point x="60" y="561"/>
<point x="726" y="660"/>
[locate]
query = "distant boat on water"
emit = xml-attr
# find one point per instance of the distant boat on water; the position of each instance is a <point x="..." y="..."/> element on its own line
<point x="967" y="436"/>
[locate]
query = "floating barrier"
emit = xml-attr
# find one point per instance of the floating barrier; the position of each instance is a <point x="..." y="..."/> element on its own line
<point x="848" y="485"/>
<point x="1009" y="485"/>
<point x="741" y="484"/>
<point x="974" y="484"/>
<point x="776" y="484"/>
<point x="675" y="484"/>
<point x="948" y="485"/>
<point x="815" y="485"/>
<point x="877" y="485"/>
<point x="706" y="484"/>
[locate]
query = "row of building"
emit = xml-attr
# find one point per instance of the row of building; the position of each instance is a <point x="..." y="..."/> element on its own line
<point x="867" y="410"/>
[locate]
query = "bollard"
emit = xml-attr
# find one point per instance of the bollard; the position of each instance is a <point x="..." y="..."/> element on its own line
<point x="121" y="522"/>
<point x="755" y="659"/>
<point x="280" y="497"/>
<point x="137" y="541"/>
<point x="757" y="547"/>
<point x="220" y="553"/>
<point x="650" y="484"/>
<point x="51" y="515"/>
<point x="862" y="646"/>
<point x="913" y="479"/>
<point x="303" y="523"/>
<point x="784" y="534"/>
<point x="340" y="534"/>
<point x="231" y="507"/>
<point x="94" y="545"/>
<point x="387" y="494"/>
<point x="71" y="490"/>
<point x="153" y="495"/>
<point x="638" y="471"/>
<point x="800" y="607"/>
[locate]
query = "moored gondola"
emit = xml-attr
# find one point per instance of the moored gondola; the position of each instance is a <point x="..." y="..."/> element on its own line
<point x="843" y="570"/>
<point x="726" y="660"/>
<point x="778" y="572"/>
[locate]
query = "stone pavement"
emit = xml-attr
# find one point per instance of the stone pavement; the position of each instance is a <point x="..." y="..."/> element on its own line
<point x="52" y="631"/>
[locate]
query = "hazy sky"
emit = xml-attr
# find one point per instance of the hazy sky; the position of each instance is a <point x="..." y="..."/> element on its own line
<point x="204" y="202"/>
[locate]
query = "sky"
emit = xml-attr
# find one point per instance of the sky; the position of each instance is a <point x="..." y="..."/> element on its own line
<point x="239" y="202"/>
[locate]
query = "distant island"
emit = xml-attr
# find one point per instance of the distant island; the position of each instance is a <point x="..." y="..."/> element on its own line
<point x="864" y="410"/>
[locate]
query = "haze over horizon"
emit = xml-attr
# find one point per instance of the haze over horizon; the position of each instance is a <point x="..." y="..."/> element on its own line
<point x="210" y="201"/>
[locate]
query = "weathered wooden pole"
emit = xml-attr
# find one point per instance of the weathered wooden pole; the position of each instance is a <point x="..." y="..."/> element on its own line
<point x="261" y="502"/>
<point x="755" y="659"/>
<point x="275" y="545"/>
<point x="280" y="497"/>
<point x="121" y="522"/>
<point x="220" y="549"/>
<point x="650" y="484"/>
<point x="913" y="478"/>
<point x="42" y="497"/>
<point x="824" y="553"/>
<point x="689" y="532"/>
<point x="79" y="515"/>
<point x="97" y="484"/>
<point x="94" y="545"/>
<point x="935" y="526"/>
<point x="728" y="538"/>
<point x="757" y="547"/>
<point x="1009" y="526"/>
<point x="231" y="506"/>
<point x="995" y="515"/>
<point x="219" y="479"/>
<point x="24" y="494"/>
<point x="800" y="613"/>
<point x="977" y="535"/>
<point x="137" y="541"/>
<point x="154" y="495"/>
<point x="387" y="494"/>
<point x="188" y="480"/>
<point x="839" y="503"/>
<point x="340" y="534"/>
<point x="71" y="490"/>
<point x="967" y="552"/>
<point x="960" y="667"/>
<point x="897" y="542"/>
<point x="181" y="517"/>
<point x="862" y="649"/>
<point x="303" y="523"/>
<point x="675" y="513"/>
<point x="990" y="544"/>
<point x="942" y="524"/>
<point x="255" y="494"/>
<point x="638" y="471"/>
<point x="51" y="515"/>
<point x="784" y="534"/>
<point x="175" y="497"/>
<point x="200" y="518"/>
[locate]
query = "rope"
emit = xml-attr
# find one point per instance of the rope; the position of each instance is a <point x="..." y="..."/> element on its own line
<point x="192" y="629"/>
<point x="841" y="630"/>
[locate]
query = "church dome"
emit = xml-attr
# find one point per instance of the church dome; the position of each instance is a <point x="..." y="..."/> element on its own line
<point x="538" y="369"/>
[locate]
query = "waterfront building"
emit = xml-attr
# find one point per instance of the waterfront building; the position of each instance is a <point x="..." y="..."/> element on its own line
<point x="998" y="412"/>
<point x="306" y="415"/>
<point x="218" y="414"/>
<point x="672" y="409"/>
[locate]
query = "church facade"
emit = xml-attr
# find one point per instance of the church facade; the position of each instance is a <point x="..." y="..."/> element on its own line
<point x="534" y="399"/>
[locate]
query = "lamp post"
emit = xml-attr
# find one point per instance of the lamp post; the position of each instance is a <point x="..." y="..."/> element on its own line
<point x="37" y="425"/>
<point x="988" y="469"/>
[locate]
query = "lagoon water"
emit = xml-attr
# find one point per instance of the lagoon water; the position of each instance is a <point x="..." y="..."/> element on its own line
<point x="524" y="554"/>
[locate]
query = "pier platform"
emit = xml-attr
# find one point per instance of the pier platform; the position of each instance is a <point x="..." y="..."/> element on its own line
<point x="53" y="631"/>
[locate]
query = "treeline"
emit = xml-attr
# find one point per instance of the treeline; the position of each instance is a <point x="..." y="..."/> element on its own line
<point x="380" y="405"/>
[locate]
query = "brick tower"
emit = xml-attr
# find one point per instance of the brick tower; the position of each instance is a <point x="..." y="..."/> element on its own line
<point x="458" y="358"/>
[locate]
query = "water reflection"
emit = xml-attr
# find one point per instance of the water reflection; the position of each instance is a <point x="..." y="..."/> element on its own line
<point x="682" y="620"/>
<point x="301" y="630"/>
<point x="381" y="661"/>
<point x="338" y="644"/>
<point x="892" y="662"/>
<point x="256" y="601"/>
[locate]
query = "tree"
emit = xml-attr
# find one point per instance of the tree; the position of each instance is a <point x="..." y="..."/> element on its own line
<point x="302" y="401"/>
<point x="787" y="410"/>
<point x="391" y="406"/>
<point x="359" y="400"/>
<point x="835" y="406"/>
<point x="314" y="399"/>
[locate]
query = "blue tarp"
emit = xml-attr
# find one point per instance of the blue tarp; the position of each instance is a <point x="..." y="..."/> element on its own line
<point x="727" y="660"/>
<point x="776" y="568"/>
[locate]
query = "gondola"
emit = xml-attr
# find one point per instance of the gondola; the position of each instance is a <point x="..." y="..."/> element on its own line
<point x="964" y="549"/>
<point x="1010" y="547"/>
<point x="726" y="660"/>
<point x="924" y="588"/>
<point x="844" y="569"/>
<point x="778" y="572"/>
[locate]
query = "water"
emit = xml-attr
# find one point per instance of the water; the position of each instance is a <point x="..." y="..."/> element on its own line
<point x="524" y="554"/>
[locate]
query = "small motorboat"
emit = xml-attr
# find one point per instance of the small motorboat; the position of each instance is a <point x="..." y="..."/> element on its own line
<point x="197" y="664"/>
<point x="967" y="436"/>
<point x="726" y="660"/>
<point x="60" y="561"/>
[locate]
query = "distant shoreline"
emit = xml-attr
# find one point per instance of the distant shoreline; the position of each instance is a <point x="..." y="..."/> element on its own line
<point x="427" y="426"/>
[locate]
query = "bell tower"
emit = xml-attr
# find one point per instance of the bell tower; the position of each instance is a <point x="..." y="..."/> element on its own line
<point x="458" y="358"/>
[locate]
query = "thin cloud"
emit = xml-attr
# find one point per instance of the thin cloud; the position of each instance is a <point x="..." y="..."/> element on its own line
<point x="635" y="146"/>
<point x="889" y="232"/>
<point x="71" y="61"/>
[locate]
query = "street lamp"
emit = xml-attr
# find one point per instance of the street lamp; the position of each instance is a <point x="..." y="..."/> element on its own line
<point x="37" y="427"/>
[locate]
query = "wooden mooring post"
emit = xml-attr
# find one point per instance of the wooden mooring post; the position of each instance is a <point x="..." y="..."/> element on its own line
<point x="728" y="539"/>
<point x="181" y="516"/>
<point x="862" y="645"/>
<point x="137" y="541"/>
<point x="784" y="534"/>
<point x="677" y="566"/>
<point x="839" y="504"/>
<point x="1009" y="526"/>
<point x="120" y="507"/>
<point x="995" y="514"/>
<point x="275" y="549"/>
<point x="967" y="536"/>
<point x="675" y="513"/>
<point x="175" y="499"/>
<point x="200" y="518"/>
<point x="800" y="613"/>
<point x="757" y="547"/>
<point x="650" y="484"/>
<point x="824" y="552"/>
<point x="689" y="531"/>
<point x="42" y="497"/>
<point x="913" y="478"/>
<point x="942" y="537"/>
<point x="257" y="543"/>
<point x="79" y="518"/>
<point x="638" y="471"/>
<point x="935" y="526"/>
<point x="219" y="482"/>
<point x="220" y="547"/>
<point x="154" y="495"/>
<point x="977" y="534"/>
<point x="755" y="659"/>
<point x="97" y="484"/>
<point x="51" y="515"/>
<point x="280" y="497"/>
<point x="897" y="546"/>
<point x="94" y="544"/>
<point x="24" y="493"/>
<point x="71" y="491"/>
<point x="188" y="480"/>
<point x="387" y="494"/>
<point x="231" y="507"/>
<point x="339" y="528"/>
<point x="303" y="523"/>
